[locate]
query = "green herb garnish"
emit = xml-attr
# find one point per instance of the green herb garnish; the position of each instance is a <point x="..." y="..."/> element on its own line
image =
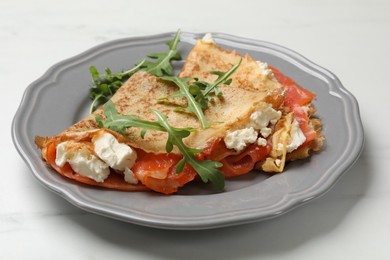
<point x="223" y="78"/>
<point x="194" y="106"/>
<point x="206" y="169"/>
<point x="162" y="65"/>
<point x="198" y="93"/>
<point x="106" y="84"/>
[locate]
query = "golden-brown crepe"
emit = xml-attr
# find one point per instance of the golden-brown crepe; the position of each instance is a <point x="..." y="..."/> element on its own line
<point x="254" y="75"/>
<point x="141" y="93"/>
<point x="251" y="127"/>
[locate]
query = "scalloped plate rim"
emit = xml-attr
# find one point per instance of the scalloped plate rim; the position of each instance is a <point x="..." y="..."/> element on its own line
<point x="289" y="202"/>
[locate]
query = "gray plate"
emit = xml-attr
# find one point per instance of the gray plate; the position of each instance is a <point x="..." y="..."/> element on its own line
<point x="60" y="98"/>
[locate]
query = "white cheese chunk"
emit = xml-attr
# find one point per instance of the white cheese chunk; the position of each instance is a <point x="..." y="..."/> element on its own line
<point x="297" y="137"/>
<point x="265" y="131"/>
<point x="266" y="71"/>
<point x="117" y="155"/>
<point x="82" y="162"/>
<point x="208" y="38"/>
<point x="239" y="139"/>
<point x="129" y="176"/>
<point x="61" y="154"/>
<point x="261" y="141"/>
<point x="88" y="165"/>
<point x="110" y="153"/>
<point x="262" y="118"/>
<point x="259" y="121"/>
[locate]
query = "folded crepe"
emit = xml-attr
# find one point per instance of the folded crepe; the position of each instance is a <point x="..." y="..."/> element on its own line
<point x="254" y="124"/>
<point x="297" y="134"/>
<point x="75" y="149"/>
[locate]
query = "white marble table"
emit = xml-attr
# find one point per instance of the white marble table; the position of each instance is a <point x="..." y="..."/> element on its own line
<point x="350" y="38"/>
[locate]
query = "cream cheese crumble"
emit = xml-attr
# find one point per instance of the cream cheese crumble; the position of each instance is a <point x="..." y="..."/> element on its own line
<point x="117" y="155"/>
<point x="239" y="139"/>
<point x="297" y="136"/>
<point x="110" y="154"/>
<point x="82" y="162"/>
<point x="260" y="119"/>
<point x="266" y="71"/>
<point x="208" y="38"/>
<point x="255" y="132"/>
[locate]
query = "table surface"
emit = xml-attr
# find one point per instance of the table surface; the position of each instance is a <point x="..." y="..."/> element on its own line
<point x="349" y="38"/>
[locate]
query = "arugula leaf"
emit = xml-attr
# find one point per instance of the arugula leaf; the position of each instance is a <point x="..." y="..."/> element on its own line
<point x="198" y="92"/>
<point x="223" y="78"/>
<point x="202" y="90"/>
<point x="106" y="84"/>
<point x="207" y="169"/>
<point x="193" y="105"/>
<point x="119" y="123"/>
<point x="162" y="65"/>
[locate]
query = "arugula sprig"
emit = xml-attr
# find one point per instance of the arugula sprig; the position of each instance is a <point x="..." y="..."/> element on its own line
<point x="198" y="92"/>
<point x="193" y="106"/>
<point x="162" y="64"/>
<point x="207" y="169"/>
<point x="223" y="78"/>
<point x="119" y="123"/>
<point x="106" y="84"/>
